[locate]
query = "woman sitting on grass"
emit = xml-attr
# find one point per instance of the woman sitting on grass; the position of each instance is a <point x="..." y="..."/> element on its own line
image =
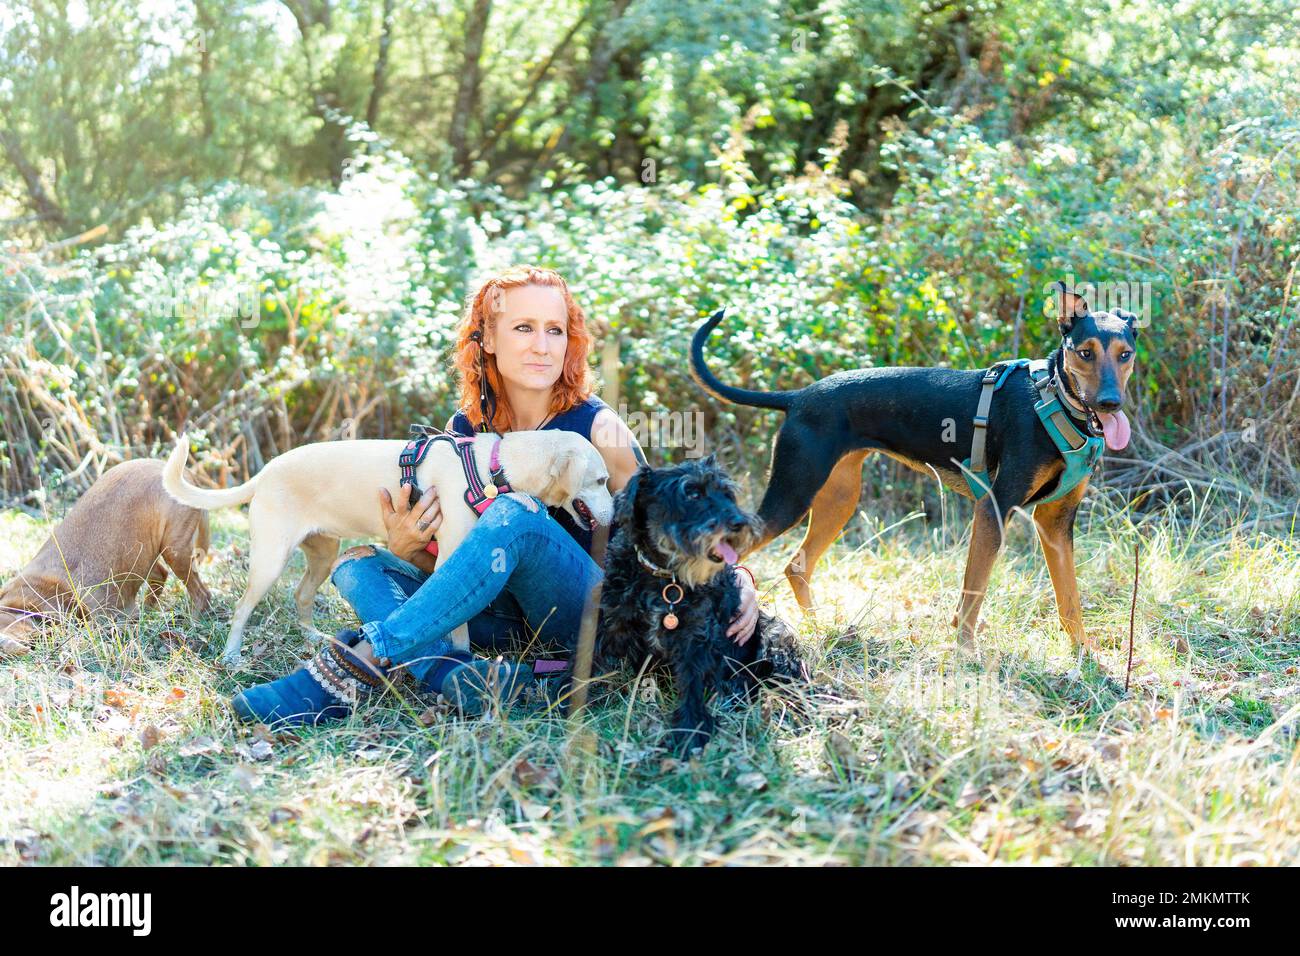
<point x="518" y="572"/>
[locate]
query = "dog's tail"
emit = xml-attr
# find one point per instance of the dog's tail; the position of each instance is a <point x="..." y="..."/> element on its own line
<point x="173" y="478"/>
<point x="729" y="393"/>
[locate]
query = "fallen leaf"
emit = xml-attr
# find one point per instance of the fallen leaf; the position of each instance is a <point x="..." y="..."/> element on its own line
<point x="842" y="749"/>
<point x="1079" y="820"/>
<point x="179" y="640"/>
<point x="969" y="796"/>
<point x="523" y="856"/>
<point x="1109" y="750"/>
<point x="117" y="697"/>
<point x="752" y="781"/>
<point x="284" y="814"/>
<point x="149" y="737"/>
<point x="257" y="750"/>
<point x="533" y="811"/>
<point x="263" y="732"/>
<point x="528" y="774"/>
<point x="199" y="745"/>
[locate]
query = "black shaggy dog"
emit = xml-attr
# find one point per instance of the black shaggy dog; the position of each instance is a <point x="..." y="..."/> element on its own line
<point x="666" y="594"/>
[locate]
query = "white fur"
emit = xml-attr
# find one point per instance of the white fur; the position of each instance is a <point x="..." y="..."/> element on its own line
<point x="314" y="495"/>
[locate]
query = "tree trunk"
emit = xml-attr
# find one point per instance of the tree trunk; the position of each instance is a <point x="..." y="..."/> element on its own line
<point x="599" y="62"/>
<point x="381" y="66"/>
<point x="45" y="207"/>
<point x="534" y="84"/>
<point x="467" y="90"/>
<point x="207" y="26"/>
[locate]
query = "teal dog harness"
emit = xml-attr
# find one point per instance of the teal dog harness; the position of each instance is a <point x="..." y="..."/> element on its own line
<point x="1081" y="451"/>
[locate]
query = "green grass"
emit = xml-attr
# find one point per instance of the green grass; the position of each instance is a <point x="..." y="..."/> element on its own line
<point x="116" y="747"/>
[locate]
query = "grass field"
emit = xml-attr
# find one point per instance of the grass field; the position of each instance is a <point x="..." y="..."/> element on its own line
<point x="116" y="746"/>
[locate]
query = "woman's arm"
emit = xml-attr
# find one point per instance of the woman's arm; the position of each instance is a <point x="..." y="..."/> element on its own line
<point x="618" y="446"/>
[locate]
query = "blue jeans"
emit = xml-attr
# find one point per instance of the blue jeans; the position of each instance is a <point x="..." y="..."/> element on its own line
<point x="516" y="575"/>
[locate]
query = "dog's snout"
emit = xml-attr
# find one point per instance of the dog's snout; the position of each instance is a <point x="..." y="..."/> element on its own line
<point x="1108" y="404"/>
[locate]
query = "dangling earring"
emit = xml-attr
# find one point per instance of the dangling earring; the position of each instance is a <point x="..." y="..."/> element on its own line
<point x="487" y="401"/>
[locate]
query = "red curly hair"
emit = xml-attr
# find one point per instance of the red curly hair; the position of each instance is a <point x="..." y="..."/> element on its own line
<point x="575" y="383"/>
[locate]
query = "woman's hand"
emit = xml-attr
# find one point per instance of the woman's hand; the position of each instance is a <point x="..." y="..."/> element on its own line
<point x="742" y="625"/>
<point x="410" y="527"/>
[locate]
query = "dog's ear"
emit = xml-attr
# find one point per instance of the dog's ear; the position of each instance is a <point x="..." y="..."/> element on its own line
<point x="567" y="472"/>
<point x="1069" y="307"/>
<point x="625" y="504"/>
<point x="1130" y="320"/>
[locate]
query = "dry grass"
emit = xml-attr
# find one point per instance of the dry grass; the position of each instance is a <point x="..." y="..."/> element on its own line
<point x="116" y="747"/>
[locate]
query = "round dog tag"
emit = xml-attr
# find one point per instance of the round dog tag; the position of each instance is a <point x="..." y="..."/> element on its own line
<point x="490" y="490"/>
<point x="670" y="621"/>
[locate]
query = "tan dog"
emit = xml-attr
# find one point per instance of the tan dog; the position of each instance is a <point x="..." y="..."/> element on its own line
<point x="103" y="551"/>
<point x="311" y="497"/>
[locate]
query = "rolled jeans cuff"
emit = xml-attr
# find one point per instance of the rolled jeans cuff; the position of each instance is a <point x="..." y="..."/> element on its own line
<point x="435" y="650"/>
<point x="374" y="633"/>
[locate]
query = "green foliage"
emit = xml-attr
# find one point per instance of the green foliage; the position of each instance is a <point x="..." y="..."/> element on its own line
<point x="862" y="184"/>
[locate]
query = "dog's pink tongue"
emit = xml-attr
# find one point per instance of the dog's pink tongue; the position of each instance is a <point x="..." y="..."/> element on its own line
<point x="727" y="551"/>
<point x="1116" y="429"/>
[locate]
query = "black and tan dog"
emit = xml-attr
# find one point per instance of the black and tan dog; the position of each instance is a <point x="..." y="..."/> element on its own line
<point x="666" y="595"/>
<point x="923" y="417"/>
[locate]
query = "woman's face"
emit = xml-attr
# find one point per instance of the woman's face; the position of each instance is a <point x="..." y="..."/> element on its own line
<point x="530" y="337"/>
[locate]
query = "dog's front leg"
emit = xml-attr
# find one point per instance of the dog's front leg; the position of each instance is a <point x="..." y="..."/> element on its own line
<point x="155" y="581"/>
<point x="991" y="516"/>
<point x="1055" y="523"/>
<point x="692" y="724"/>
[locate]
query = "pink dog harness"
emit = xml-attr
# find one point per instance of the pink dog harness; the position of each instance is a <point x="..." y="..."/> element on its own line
<point x="478" y="495"/>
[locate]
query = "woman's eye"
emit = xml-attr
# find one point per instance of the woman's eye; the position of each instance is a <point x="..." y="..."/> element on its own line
<point x="523" y="328"/>
<point x="558" y="331"/>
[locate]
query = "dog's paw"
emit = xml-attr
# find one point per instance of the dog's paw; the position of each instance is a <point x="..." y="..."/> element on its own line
<point x="528" y="501"/>
<point x="681" y="742"/>
<point x="9" y="647"/>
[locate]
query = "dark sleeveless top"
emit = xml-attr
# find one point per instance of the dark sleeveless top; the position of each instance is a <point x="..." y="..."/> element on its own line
<point x="577" y="419"/>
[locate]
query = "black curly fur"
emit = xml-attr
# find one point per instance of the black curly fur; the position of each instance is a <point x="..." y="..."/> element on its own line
<point x="676" y="517"/>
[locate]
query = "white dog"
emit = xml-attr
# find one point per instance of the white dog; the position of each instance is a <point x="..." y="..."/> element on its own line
<point x="311" y="497"/>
